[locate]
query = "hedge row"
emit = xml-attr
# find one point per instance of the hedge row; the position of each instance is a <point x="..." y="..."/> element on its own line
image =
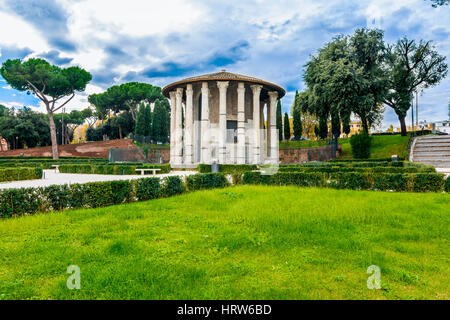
<point x="358" y="164"/>
<point x="47" y="163"/>
<point x="415" y="182"/>
<point x="228" y="168"/>
<point x="329" y="169"/>
<point x="14" y="174"/>
<point x="14" y="202"/>
<point x="206" y="181"/>
<point x="121" y="169"/>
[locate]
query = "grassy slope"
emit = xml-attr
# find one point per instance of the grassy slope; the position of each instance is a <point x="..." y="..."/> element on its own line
<point x="240" y="242"/>
<point x="382" y="147"/>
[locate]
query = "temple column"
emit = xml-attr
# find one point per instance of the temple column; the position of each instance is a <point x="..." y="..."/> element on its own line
<point x="273" y="127"/>
<point x="268" y="130"/>
<point x="189" y="124"/>
<point x="172" y="125"/>
<point x="256" y="122"/>
<point x="241" y="124"/>
<point x="261" y="133"/>
<point x="179" y="128"/>
<point x="205" y="125"/>
<point x="222" y="85"/>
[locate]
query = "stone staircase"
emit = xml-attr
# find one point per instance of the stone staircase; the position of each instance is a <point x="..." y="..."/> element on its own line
<point x="432" y="150"/>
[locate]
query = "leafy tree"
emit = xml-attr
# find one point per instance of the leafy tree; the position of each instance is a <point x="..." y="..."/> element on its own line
<point x="3" y="110"/>
<point x="47" y="82"/>
<point x="438" y="3"/>
<point x="347" y="77"/>
<point x="412" y="67"/>
<point x="25" y="128"/>
<point x="279" y="121"/>
<point x="125" y="97"/>
<point x="287" y="127"/>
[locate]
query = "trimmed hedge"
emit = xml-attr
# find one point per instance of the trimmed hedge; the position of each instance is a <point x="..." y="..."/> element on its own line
<point x="14" y="174"/>
<point x="122" y="169"/>
<point x="330" y="169"/>
<point x="15" y="202"/>
<point x="447" y="184"/>
<point x="206" y="181"/>
<point x="22" y="201"/>
<point x="414" y="182"/>
<point x="228" y="168"/>
<point x="358" y="164"/>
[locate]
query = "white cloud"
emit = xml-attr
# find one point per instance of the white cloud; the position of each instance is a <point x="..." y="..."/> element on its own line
<point x="114" y="38"/>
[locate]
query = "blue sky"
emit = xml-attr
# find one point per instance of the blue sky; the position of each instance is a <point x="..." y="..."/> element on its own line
<point x="162" y="41"/>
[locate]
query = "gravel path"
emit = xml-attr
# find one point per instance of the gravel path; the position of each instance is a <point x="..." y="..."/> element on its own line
<point x="51" y="177"/>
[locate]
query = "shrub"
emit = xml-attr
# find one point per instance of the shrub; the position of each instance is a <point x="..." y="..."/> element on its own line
<point x="423" y="182"/>
<point x="361" y="144"/>
<point x="396" y="182"/>
<point x="204" y="168"/>
<point x="148" y="188"/>
<point x="173" y="185"/>
<point x="447" y="184"/>
<point x="351" y="180"/>
<point x="14" y="174"/>
<point x="113" y="169"/>
<point x="19" y="201"/>
<point x="206" y="181"/>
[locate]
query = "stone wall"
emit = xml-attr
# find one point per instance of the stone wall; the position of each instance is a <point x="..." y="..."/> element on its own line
<point x="91" y="149"/>
<point x="159" y="155"/>
<point x="290" y="155"/>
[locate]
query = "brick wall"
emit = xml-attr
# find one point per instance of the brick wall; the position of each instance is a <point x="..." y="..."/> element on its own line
<point x="91" y="149"/>
<point x="157" y="155"/>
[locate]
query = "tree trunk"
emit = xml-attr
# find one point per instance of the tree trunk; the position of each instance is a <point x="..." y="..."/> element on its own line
<point x="53" y="135"/>
<point x="120" y="132"/>
<point x="1" y="144"/>
<point x="403" y="125"/>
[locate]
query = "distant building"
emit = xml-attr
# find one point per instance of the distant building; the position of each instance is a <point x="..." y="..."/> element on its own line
<point x="441" y="126"/>
<point x="355" y="128"/>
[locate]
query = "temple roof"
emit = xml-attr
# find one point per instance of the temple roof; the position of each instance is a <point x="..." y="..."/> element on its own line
<point x="224" y="75"/>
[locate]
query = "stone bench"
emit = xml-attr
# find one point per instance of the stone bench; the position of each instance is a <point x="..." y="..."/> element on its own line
<point x="148" y="169"/>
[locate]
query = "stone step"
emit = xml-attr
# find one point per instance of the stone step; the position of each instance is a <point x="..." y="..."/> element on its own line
<point x="435" y="137"/>
<point x="437" y="145"/>
<point x="437" y="164"/>
<point x="431" y="155"/>
<point x="444" y="148"/>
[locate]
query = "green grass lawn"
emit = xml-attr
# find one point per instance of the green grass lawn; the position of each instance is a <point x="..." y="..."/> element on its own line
<point x="246" y="242"/>
<point x="382" y="147"/>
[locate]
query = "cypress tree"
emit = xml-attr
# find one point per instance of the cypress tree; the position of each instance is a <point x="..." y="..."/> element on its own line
<point x="159" y="122"/>
<point x="140" y="121"/>
<point x="323" y="127"/>
<point x="148" y="121"/>
<point x="287" y="127"/>
<point x="279" y="121"/>
<point x="298" y="126"/>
